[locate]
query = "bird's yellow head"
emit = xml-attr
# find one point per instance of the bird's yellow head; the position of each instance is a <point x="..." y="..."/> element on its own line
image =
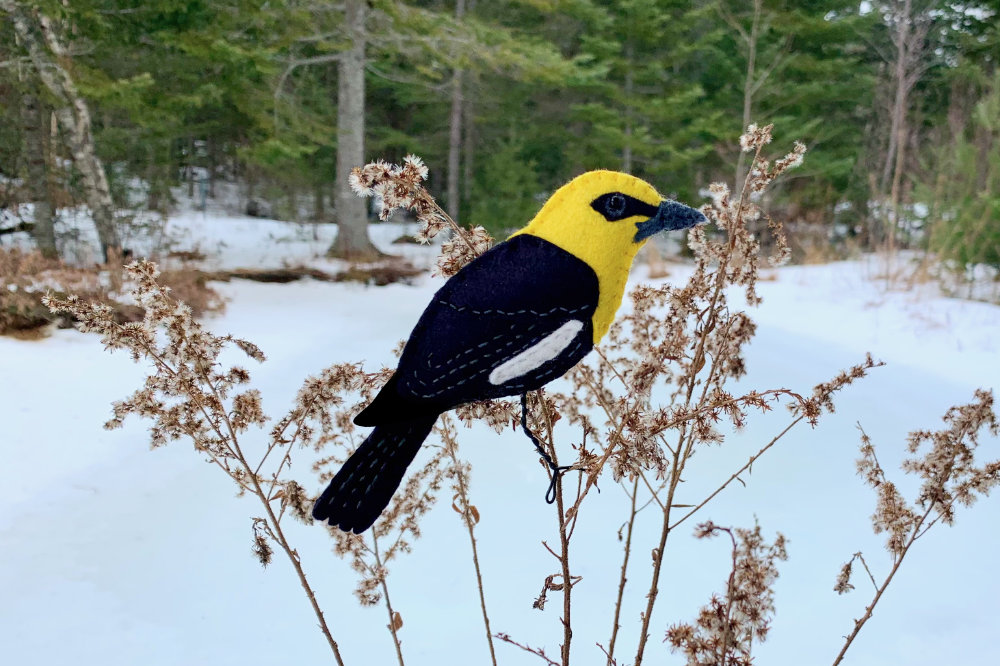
<point x="603" y="218"/>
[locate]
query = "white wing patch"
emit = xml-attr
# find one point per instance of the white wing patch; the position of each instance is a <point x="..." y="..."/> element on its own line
<point x="533" y="357"/>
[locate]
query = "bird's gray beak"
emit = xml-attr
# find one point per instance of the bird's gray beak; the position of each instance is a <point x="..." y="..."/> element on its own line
<point x="670" y="216"/>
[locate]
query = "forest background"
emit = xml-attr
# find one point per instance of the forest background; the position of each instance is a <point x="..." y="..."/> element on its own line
<point x="898" y="103"/>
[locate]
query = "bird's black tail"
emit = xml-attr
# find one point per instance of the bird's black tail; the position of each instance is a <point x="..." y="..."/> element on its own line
<point x="362" y="488"/>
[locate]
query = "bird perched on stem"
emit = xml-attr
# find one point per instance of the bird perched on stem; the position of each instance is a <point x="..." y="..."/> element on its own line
<point x="512" y="320"/>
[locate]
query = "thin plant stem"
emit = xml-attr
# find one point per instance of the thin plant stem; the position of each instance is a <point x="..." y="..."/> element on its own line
<point x="538" y="652"/>
<point x="388" y="602"/>
<point x="858" y="624"/>
<point x="232" y="443"/>
<point x="867" y="570"/>
<point x="470" y="526"/>
<point x="622" y="579"/>
<point x="658" y="558"/>
<point x="453" y="224"/>
<point x="567" y="587"/>
<point x="727" y="633"/>
<point x="737" y="473"/>
<point x="654" y="493"/>
<point x="567" y="581"/>
<point x="684" y="450"/>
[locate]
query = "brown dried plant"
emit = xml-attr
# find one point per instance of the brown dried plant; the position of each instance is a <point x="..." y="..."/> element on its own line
<point x="659" y="381"/>
<point x="726" y="627"/>
<point x="685" y="342"/>
<point x="191" y="395"/>
<point x="949" y="477"/>
<point x="26" y="277"/>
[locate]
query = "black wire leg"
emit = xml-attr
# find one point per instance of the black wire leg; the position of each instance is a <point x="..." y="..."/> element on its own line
<point x="557" y="471"/>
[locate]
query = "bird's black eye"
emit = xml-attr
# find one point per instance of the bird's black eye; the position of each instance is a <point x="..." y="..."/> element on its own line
<point x="614" y="206"/>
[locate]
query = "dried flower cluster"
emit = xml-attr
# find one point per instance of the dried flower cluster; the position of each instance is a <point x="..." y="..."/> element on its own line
<point x="947" y="469"/>
<point x="461" y="249"/>
<point x="821" y="399"/>
<point x="843" y="584"/>
<point x="727" y="626"/>
<point x="755" y="138"/>
<point x="400" y="187"/>
<point x="950" y="476"/>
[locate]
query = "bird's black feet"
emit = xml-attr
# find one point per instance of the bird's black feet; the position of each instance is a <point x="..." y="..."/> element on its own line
<point x="556" y="470"/>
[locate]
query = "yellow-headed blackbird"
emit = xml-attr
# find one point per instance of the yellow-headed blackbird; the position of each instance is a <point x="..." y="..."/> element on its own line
<point x="512" y="320"/>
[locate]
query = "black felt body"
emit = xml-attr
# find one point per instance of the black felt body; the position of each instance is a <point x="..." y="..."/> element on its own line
<point x="499" y="305"/>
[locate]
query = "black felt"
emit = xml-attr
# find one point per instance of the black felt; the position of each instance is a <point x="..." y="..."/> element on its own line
<point x="390" y="407"/>
<point x="363" y="487"/>
<point x="496" y="307"/>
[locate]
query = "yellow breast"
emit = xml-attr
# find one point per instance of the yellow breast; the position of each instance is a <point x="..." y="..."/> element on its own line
<point x="568" y="221"/>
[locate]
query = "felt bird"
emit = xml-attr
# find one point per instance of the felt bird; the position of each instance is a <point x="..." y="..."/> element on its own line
<point x="512" y="320"/>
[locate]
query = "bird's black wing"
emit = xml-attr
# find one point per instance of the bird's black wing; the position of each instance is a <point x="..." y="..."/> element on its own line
<point x="499" y="306"/>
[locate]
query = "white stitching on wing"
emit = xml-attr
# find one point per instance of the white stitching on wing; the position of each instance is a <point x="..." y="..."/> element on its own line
<point x="535" y="356"/>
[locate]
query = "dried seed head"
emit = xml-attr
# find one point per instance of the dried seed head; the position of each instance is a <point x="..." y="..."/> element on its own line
<point x="843" y="584"/>
<point x="729" y="624"/>
<point x="755" y="137"/>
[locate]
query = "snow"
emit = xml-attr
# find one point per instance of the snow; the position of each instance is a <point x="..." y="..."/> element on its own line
<point x="117" y="555"/>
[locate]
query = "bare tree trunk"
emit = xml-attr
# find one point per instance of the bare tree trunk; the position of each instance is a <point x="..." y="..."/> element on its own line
<point x="909" y="28"/>
<point x="70" y="109"/>
<point x="33" y="116"/>
<point x="897" y="139"/>
<point x="748" y="90"/>
<point x="895" y="117"/>
<point x="454" y="145"/>
<point x="455" y="131"/>
<point x="468" y="128"/>
<point x="468" y="149"/>
<point x="352" y="220"/>
<point x="319" y="208"/>
<point x="629" y="88"/>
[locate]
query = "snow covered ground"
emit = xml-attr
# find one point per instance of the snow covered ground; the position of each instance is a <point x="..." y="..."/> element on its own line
<point x="116" y="555"/>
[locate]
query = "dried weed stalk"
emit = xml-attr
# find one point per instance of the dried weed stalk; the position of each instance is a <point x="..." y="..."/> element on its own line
<point x="655" y="390"/>
<point x="950" y="477"/>
<point x="191" y="395"/>
<point x="401" y="187"/>
<point x="726" y="628"/>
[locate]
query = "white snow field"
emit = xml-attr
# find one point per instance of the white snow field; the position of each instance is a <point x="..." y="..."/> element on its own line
<point x="116" y="555"/>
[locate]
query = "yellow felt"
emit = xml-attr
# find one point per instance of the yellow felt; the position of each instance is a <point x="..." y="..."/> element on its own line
<point x="568" y="221"/>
